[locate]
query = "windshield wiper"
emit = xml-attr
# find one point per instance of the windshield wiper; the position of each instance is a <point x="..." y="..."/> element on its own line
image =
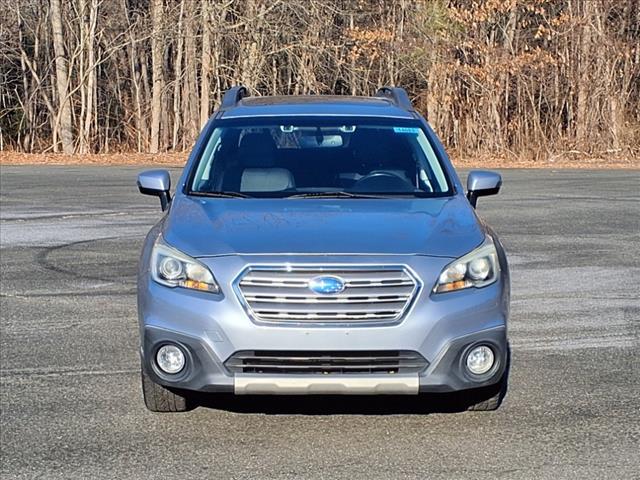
<point x="220" y="194"/>
<point x="340" y="194"/>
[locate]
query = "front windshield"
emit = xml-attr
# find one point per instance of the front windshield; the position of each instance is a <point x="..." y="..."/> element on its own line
<point x="286" y="158"/>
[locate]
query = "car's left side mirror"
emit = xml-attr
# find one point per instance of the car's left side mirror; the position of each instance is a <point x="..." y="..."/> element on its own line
<point x="157" y="183"/>
<point x="481" y="183"/>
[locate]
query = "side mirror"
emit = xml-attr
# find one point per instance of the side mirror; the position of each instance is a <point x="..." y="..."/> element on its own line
<point x="157" y="183"/>
<point x="481" y="183"/>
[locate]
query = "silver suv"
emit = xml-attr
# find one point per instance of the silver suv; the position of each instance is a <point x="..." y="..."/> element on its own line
<point x="321" y="245"/>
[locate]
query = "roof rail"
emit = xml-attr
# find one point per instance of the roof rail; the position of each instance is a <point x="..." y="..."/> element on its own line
<point x="233" y="96"/>
<point x="398" y="97"/>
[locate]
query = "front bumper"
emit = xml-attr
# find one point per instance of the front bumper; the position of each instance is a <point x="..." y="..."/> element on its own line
<point x="206" y="372"/>
<point x="211" y="328"/>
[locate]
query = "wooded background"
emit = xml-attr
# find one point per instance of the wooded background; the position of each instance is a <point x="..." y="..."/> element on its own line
<point x="514" y="77"/>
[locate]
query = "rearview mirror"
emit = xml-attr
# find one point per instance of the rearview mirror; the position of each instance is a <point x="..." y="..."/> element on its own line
<point x="157" y="183"/>
<point x="481" y="183"/>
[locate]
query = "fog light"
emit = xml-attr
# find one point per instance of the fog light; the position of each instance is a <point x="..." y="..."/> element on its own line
<point x="170" y="359"/>
<point x="480" y="360"/>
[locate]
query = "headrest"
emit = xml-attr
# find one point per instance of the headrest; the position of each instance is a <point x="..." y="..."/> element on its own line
<point x="266" y="180"/>
<point x="257" y="150"/>
<point x="381" y="150"/>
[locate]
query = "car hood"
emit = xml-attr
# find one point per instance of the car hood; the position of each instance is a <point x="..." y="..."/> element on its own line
<point x="445" y="227"/>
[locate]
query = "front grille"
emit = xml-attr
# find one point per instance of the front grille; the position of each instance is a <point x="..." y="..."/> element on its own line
<point x="370" y="294"/>
<point x="326" y="362"/>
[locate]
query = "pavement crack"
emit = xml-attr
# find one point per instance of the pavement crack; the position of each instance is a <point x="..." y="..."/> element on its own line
<point x="104" y="293"/>
<point x="9" y="373"/>
<point x="68" y="216"/>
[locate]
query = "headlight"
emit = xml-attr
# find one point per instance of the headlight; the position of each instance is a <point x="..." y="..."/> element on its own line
<point x="173" y="268"/>
<point x="476" y="269"/>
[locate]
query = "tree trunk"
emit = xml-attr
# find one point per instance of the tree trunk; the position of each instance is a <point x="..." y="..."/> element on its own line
<point x="190" y="108"/>
<point x="583" y="77"/>
<point x="135" y="76"/>
<point x="26" y="102"/>
<point x="206" y="63"/>
<point x="177" y="83"/>
<point x="157" y="75"/>
<point x="91" y="75"/>
<point x="62" y="79"/>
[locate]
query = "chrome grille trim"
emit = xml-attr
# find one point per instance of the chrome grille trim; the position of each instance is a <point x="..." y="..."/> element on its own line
<point x="372" y="294"/>
<point x="329" y="300"/>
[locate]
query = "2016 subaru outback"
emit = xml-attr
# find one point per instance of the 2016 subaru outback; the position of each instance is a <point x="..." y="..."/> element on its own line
<point x="321" y="245"/>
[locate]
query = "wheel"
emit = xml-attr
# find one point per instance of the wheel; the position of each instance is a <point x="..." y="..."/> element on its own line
<point x="489" y="398"/>
<point x="158" y="398"/>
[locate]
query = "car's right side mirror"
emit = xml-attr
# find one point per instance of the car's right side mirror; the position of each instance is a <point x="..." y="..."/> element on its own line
<point x="157" y="183"/>
<point x="481" y="183"/>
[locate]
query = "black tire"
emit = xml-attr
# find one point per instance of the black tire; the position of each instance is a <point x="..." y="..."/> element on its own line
<point x="158" y="398"/>
<point x="489" y="398"/>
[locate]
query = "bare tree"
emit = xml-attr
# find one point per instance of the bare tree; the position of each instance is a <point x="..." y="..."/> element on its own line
<point x="526" y="77"/>
<point x="205" y="9"/>
<point x="157" y="41"/>
<point x="62" y="80"/>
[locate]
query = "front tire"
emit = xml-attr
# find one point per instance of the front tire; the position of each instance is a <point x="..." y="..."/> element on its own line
<point x="159" y="398"/>
<point x="489" y="398"/>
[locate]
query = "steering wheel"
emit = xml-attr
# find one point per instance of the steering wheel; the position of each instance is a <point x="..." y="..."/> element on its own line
<point x="382" y="182"/>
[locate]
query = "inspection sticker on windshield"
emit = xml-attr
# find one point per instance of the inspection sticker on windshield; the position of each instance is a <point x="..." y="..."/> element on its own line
<point x="414" y="130"/>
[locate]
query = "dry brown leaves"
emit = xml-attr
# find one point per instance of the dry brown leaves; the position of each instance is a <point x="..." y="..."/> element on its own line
<point x="173" y="159"/>
<point x="178" y="159"/>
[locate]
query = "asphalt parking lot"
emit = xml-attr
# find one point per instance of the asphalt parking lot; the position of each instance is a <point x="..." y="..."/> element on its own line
<point x="71" y="404"/>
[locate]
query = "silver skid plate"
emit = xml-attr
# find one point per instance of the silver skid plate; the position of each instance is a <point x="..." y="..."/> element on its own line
<point x="258" y="384"/>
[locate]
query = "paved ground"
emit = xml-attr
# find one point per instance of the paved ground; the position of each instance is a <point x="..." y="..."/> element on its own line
<point x="70" y="395"/>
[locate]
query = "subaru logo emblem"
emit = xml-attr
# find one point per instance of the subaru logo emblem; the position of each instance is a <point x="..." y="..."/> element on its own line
<point x="326" y="285"/>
